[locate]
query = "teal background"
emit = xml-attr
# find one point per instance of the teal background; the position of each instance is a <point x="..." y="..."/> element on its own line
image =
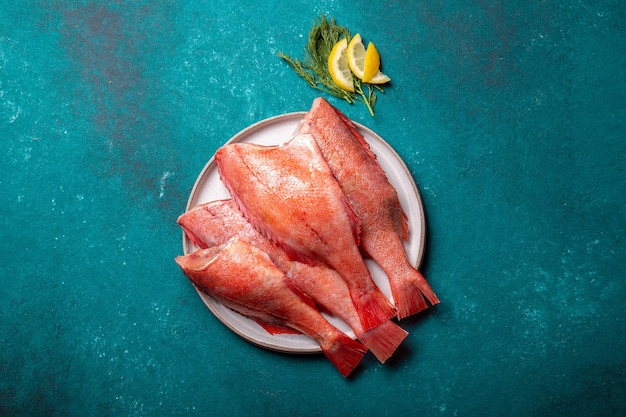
<point x="509" y="114"/>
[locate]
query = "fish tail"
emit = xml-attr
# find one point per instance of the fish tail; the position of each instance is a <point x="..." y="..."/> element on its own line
<point x="345" y="353"/>
<point x="410" y="297"/>
<point x="383" y="340"/>
<point x="373" y="309"/>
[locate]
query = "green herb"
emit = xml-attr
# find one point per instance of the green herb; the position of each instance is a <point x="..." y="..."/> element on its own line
<point x="313" y="68"/>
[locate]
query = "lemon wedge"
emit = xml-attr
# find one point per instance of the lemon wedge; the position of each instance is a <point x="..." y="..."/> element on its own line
<point x="338" y="66"/>
<point x="356" y="55"/>
<point x="365" y="64"/>
<point x="372" y="63"/>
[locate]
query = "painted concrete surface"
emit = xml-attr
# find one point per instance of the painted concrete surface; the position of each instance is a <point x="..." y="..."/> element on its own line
<point x="510" y="116"/>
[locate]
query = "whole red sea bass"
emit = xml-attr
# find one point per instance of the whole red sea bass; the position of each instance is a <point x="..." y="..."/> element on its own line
<point x="289" y="193"/>
<point x="245" y="279"/>
<point x="374" y="200"/>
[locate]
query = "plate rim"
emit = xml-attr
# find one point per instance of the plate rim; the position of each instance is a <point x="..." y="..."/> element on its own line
<point x="261" y="124"/>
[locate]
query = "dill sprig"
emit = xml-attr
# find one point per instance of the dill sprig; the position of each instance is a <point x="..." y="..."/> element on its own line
<point x="313" y="67"/>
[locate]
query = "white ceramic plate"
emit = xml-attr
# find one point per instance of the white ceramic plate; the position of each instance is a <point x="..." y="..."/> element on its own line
<point x="277" y="130"/>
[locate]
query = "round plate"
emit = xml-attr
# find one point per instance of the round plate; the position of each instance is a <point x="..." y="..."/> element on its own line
<point x="277" y="130"/>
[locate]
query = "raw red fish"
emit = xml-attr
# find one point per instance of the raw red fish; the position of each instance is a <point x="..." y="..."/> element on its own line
<point x="288" y="192"/>
<point x="245" y="279"/>
<point x="374" y="200"/>
<point x="214" y="223"/>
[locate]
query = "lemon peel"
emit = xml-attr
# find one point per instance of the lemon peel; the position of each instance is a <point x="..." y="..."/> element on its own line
<point x="372" y="63"/>
<point x="379" y="78"/>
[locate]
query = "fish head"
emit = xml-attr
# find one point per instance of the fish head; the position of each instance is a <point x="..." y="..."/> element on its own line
<point x="199" y="260"/>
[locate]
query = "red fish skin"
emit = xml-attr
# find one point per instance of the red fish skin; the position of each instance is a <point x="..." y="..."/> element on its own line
<point x="374" y="200"/>
<point x="289" y="193"/>
<point x="212" y="223"/>
<point x="215" y="222"/>
<point x="246" y="280"/>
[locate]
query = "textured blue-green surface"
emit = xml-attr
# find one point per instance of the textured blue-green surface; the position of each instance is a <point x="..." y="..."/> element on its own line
<point x="510" y="115"/>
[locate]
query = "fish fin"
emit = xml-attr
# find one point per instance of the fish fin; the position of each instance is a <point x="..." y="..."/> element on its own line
<point x="264" y="321"/>
<point x="355" y="132"/>
<point x="383" y="340"/>
<point x="276" y="329"/>
<point x="410" y="298"/>
<point x="345" y="353"/>
<point x="293" y="254"/>
<point x="303" y="296"/>
<point x="373" y="309"/>
<point x="402" y="223"/>
<point x="354" y="220"/>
